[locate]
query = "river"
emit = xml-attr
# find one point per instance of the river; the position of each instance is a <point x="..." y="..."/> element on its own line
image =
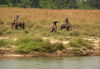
<point x="51" y="63"/>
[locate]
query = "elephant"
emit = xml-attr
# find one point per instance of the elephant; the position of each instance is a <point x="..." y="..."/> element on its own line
<point x="54" y="27"/>
<point x="67" y="25"/>
<point x="17" y="25"/>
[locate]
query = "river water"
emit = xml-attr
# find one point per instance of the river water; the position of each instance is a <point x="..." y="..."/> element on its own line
<point x="51" y="63"/>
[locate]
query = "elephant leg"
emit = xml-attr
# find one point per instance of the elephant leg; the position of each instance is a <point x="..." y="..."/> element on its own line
<point x="53" y="30"/>
<point x="20" y="25"/>
<point x="23" y="26"/>
<point x="68" y="28"/>
<point x="61" y="28"/>
<point x="12" y="25"/>
<point x="16" y="26"/>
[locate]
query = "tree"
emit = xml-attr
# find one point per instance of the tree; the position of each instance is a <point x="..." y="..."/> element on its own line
<point x="61" y="4"/>
<point x="81" y="4"/>
<point x="53" y="4"/>
<point x="35" y="3"/>
<point x="3" y="2"/>
<point x="47" y="4"/>
<point x="94" y="3"/>
<point x="72" y="4"/>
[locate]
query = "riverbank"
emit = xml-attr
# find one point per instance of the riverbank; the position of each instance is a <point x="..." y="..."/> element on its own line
<point x="58" y="53"/>
<point x="43" y="55"/>
<point x="49" y="47"/>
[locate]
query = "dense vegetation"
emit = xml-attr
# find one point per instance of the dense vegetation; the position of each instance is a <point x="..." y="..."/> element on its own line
<point x="27" y="45"/>
<point x="3" y="43"/>
<point x="54" y="4"/>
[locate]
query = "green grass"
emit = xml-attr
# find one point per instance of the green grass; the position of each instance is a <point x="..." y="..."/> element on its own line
<point x="80" y="46"/>
<point x="38" y="22"/>
<point x="78" y="42"/>
<point x="78" y="52"/>
<point x="27" y="45"/>
<point x="3" y="43"/>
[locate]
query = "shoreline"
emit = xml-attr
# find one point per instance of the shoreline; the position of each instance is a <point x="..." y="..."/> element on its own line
<point x="43" y="55"/>
<point x="8" y="51"/>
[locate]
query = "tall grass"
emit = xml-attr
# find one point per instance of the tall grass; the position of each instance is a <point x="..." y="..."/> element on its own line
<point x="3" y="43"/>
<point x="79" y="42"/>
<point x="27" y="45"/>
<point x="85" y="22"/>
<point x="80" y="46"/>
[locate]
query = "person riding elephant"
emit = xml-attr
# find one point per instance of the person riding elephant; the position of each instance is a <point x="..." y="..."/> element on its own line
<point x="66" y="25"/>
<point x="54" y="27"/>
<point x="17" y="23"/>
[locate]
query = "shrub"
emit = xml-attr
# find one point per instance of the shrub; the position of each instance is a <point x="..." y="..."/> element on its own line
<point x="79" y="42"/>
<point x="3" y="29"/>
<point x="28" y="45"/>
<point x="74" y="33"/>
<point x="3" y="43"/>
<point x="58" y="46"/>
<point x="76" y="51"/>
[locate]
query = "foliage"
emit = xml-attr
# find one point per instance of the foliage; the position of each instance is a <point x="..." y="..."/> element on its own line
<point x="3" y="43"/>
<point x="79" y="43"/>
<point x="94" y="3"/>
<point x="74" y="33"/>
<point x="27" y="45"/>
<point x="54" y="4"/>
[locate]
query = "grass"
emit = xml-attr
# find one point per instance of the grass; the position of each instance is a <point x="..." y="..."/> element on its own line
<point x="27" y="45"/>
<point x="3" y="43"/>
<point x="78" y="42"/>
<point x="85" y="22"/>
<point x="80" y="46"/>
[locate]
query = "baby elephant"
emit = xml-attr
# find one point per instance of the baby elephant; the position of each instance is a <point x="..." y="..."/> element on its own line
<point x="66" y="25"/>
<point x="18" y="24"/>
<point x="54" y="27"/>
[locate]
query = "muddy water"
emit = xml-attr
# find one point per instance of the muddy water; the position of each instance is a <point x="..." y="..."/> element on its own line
<point x="50" y="63"/>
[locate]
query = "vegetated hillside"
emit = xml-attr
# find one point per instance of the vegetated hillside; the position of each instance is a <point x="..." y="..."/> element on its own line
<point x="85" y="22"/>
<point x="53" y="4"/>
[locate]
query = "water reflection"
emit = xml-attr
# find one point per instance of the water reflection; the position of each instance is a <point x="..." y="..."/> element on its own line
<point x="51" y="63"/>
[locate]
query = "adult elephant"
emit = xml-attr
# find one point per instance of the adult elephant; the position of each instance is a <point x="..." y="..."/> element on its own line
<point x="67" y="25"/>
<point x="17" y="25"/>
<point x="53" y="27"/>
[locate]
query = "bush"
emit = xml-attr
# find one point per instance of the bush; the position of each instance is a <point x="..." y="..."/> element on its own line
<point x="76" y="51"/>
<point x="3" y="43"/>
<point x="79" y="42"/>
<point x="3" y="30"/>
<point x="58" y="46"/>
<point x="74" y="33"/>
<point x="28" y="45"/>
